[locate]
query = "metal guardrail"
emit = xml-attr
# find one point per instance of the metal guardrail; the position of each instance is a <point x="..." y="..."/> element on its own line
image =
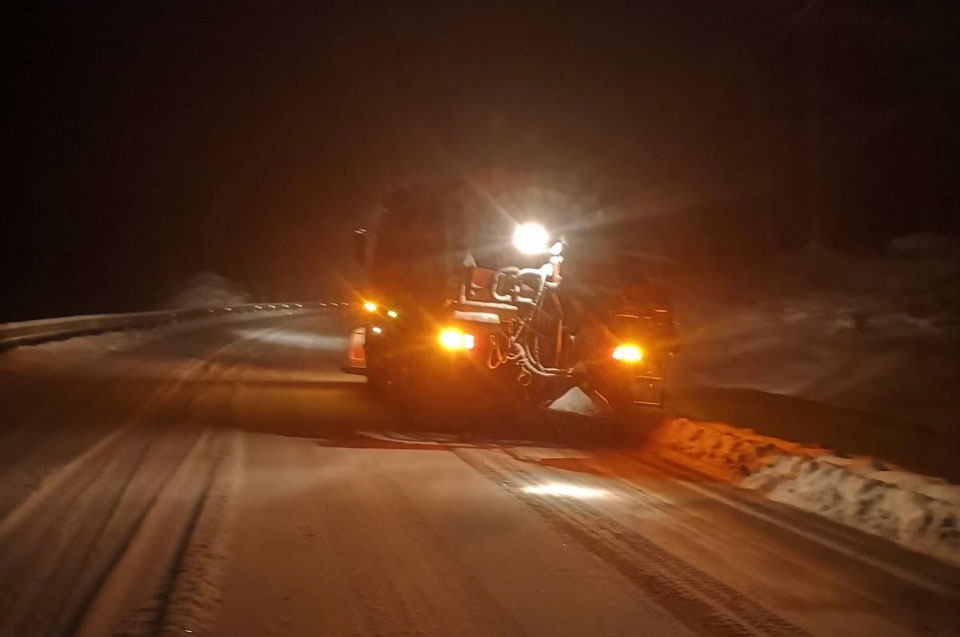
<point x="39" y="331"/>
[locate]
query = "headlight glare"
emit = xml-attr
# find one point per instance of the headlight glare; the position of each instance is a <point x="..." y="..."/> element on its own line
<point x="453" y="339"/>
<point x="531" y="238"/>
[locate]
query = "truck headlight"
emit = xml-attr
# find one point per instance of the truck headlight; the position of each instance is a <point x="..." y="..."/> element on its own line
<point x="531" y="238"/>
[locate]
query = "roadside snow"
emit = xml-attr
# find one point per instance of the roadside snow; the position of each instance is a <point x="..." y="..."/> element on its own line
<point x="918" y="512"/>
<point x="67" y="353"/>
<point x="879" y="334"/>
<point x="575" y="401"/>
<point x="727" y="452"/>
<point x="207" y="289"/>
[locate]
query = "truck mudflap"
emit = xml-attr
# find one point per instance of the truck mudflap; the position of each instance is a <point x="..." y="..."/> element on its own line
<point x="647" y="390"/>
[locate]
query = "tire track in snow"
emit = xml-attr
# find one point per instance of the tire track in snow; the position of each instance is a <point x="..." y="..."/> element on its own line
<point x="59" y="547"/>
<point x="849" y="542"/>
<point x="188" y="598"/>
<point x="61" y="553"/>
<point x="149" y="545"/>
<point x="479" y="611"/>
<point x="170" y="593"/>
<point x="703" y="603"/>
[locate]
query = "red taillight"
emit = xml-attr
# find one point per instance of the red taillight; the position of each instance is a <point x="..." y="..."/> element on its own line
<point x="356" y="353"/>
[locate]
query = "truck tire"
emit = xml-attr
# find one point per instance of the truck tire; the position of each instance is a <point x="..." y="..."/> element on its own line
<point x="378" y="380"/>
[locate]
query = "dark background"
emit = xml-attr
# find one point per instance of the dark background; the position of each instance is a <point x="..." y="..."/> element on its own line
<point x="148" y="141"/>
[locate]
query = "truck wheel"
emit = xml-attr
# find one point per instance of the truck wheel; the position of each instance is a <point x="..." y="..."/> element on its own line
<point x="377" y="380"/>
<point x="617" y="425"/>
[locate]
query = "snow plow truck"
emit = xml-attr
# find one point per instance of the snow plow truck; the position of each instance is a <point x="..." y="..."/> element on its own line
<point x="494" y="293"/>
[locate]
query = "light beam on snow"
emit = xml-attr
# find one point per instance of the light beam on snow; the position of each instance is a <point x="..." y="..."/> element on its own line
<point x="305" y="340"/>
<point x="565" y="490"/>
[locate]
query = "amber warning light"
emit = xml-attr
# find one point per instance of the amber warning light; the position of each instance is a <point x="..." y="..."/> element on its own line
<point x="454" y="340"/>
<point x="627" y="353"/>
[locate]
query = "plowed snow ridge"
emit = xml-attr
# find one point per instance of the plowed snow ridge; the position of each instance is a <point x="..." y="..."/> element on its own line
<point x="919" y="512"/>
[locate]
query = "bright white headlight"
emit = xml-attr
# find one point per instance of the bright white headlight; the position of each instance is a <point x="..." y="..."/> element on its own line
<point x="531" y="238"/>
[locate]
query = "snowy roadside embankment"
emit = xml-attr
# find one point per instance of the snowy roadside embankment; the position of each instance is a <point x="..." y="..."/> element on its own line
<point x="77" y="351"/>
<point x="207" y="299"/>
<point x="208" y="289"/>
<point x="918" y="512"/>
<point x="875" y="334"/>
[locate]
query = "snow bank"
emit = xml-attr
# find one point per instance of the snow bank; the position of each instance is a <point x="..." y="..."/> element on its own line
<point x="67" y="353"/>
<point x="724" y="451"/>
<point x="78" y="351"/>
<point x="207" y="289"/>
<point x="918" y="512"/>
<point x="874" y="333"/>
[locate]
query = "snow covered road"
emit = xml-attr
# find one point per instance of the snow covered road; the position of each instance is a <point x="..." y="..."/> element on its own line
<point x="230" y="480"/>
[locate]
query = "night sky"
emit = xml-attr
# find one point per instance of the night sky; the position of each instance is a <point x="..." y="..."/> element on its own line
<point x="148" y="141"/>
